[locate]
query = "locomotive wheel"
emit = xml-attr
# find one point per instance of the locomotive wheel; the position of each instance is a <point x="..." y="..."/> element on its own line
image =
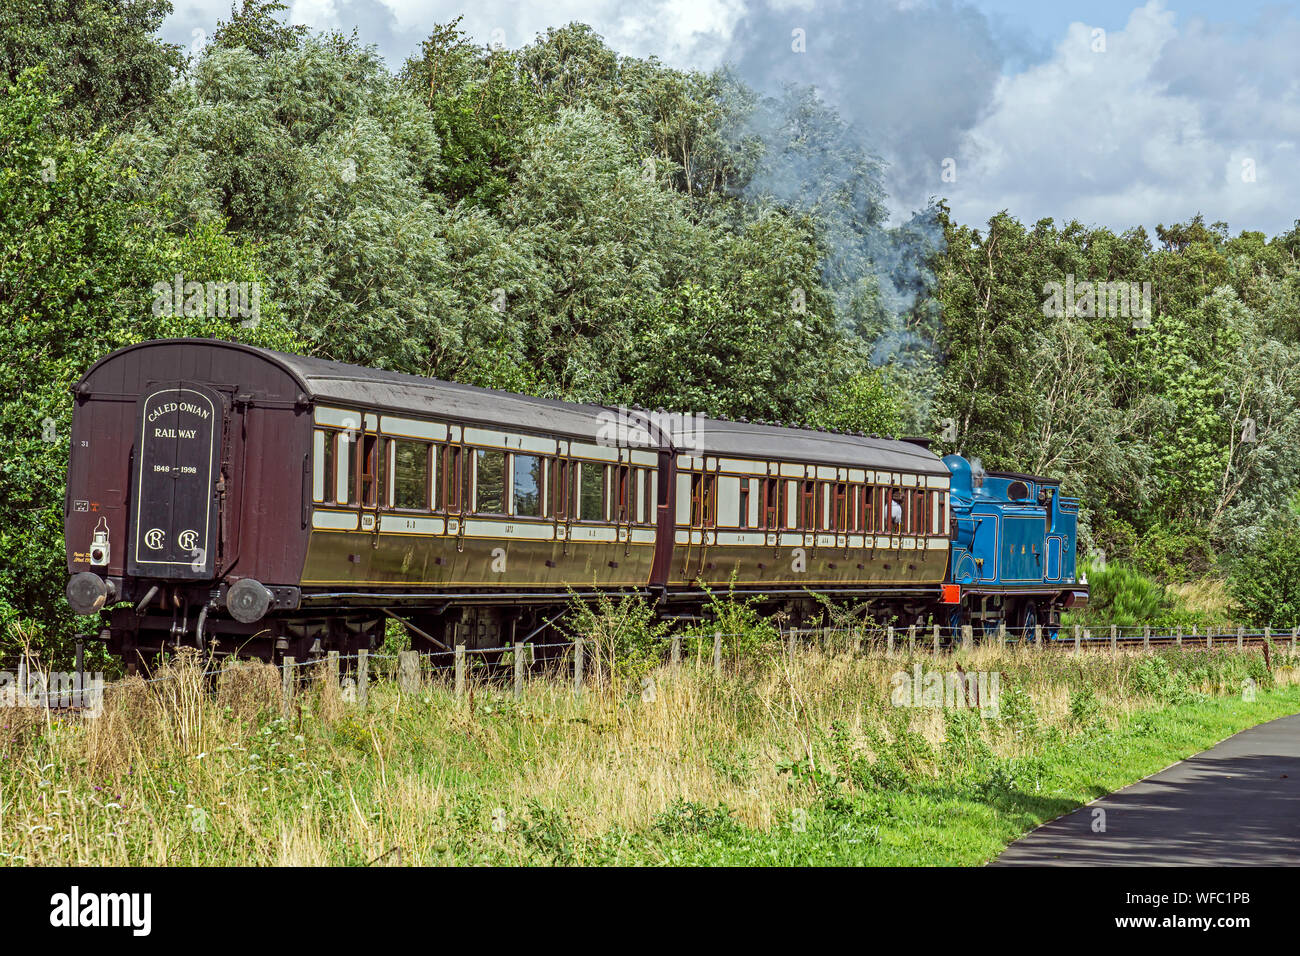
<point x="1028" y="618"/>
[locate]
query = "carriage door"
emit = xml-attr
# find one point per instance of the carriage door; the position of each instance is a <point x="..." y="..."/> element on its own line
<point x="180" y="434"/>
<point x="373" y="493"/>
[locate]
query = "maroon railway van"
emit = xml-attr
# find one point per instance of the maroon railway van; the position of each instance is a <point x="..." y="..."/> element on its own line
<point x="186" y="458"/>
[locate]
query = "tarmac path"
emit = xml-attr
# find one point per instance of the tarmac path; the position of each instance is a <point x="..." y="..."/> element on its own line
<point x="1236" y="804"/>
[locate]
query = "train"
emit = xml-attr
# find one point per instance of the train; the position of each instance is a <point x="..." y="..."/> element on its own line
<point x="256" y="503"/>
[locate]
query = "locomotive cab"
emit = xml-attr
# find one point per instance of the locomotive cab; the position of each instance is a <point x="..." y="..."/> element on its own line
<point x="1014" y="542"/>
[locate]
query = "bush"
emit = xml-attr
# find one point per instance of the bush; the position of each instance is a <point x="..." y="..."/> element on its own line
<point x="1264" y="579"/>
<point x="626" y="640"/>
<point x="1120" y="595"/>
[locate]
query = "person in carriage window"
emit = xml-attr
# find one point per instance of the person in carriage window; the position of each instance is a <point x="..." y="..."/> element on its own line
<point x="896" y="509"/>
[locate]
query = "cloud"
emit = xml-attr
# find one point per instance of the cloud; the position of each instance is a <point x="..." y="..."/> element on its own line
<point x="1161" y="125"/>
<point x="913" y="77"/>
<point x="1154" y="123"/>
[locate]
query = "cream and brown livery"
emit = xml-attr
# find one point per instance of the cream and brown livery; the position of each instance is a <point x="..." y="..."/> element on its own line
<point x="280" y="504"/>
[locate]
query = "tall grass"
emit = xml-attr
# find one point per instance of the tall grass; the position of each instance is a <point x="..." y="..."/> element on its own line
<point x="177" y="771"/>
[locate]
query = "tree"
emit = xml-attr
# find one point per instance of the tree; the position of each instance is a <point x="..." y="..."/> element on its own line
<point x="75" y="285"/>
<point x="102" y="56"/>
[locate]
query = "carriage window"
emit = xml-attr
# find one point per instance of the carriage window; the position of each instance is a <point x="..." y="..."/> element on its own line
<point x="410" y="480"/>
<point x="621" y="491"/>
<point x="841" y="501"/>
<point x="808" y="506"/>
<point x="490" y="481"/>
<point x="918" y="512"/>
<point x="453" y="476"/>
<point x="560" y="490"/>
<point x="791" y="503"/>
<point x="372" y="470"/>
<point x="744" y="503"/>
<point x="697" y="501"/>
<point x="345" y="491"/>
<point x="591" y="492"/>
<point x="323" y="470"/>
<point x="645" y="494"/>
<point x="527" y="483"/>
<point x="771" y="506"/>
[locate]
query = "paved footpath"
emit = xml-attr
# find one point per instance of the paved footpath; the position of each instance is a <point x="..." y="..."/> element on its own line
<point x="1236" y="804"/>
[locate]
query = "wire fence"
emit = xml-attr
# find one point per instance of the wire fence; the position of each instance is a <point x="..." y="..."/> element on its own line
<point x="34" y="685"/>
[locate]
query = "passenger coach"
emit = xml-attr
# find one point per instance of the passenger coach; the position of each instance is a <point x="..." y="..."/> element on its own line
<point x="278" y="504"/>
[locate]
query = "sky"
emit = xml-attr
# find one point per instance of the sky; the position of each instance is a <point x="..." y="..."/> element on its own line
<point x="1114" y="113"/>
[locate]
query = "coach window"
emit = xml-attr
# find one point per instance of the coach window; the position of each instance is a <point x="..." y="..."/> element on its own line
<point x="560" y="490"/>
<point x="841" y="522"/>
<point x="808" y="505"/>
<point x="410" y="480"/>
<point x="697" y="501"/>
<point x="323" y="472"/>
<point x="345" y="489"/>
<point x="372" y="470"/>
<point x="591" y="492"/>
<point x="771" y="503"/>
<point x="918" y="511"/>
<point x="622" y="488"/>
<point x="490" y="481"/>
<point x="527" y="484"/>
<point x="744" y="503"/>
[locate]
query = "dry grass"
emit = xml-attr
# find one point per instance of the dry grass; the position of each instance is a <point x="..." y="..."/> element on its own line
<point x="1207" y="599"/>
<point x="185" y="770"/>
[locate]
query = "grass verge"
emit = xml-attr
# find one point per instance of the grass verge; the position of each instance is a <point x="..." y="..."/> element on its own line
<point x="823" y="756"/>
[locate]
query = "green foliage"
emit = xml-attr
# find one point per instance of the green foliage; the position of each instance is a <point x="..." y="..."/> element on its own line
<point x="103" y="57"/>
<point x="624" y="638"/>
<point x="1155" y="677"/>
<point x="1119" y="595"/>
<point x="1265" y="579"/>
<point x="77" y="285"/>
<point x="1085" y="709"/>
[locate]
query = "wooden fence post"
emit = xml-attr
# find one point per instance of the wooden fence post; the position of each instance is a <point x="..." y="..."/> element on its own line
<point x="936" y="639"/>
<point x="579" y="649"/>
<point x="286" y="686"/>
<point x="332" y="667"/>
<point x="1209" y="637"/>
<point x="1002" y="634"/>
<point x="458" y="657"/>
<point x="519" y="669"/>
<point x="1241" y="638"/>
<point x="408" y="672"/>
<point x="363" y="677"/>
<point x="1078" y="631"/>
<point x="967" y="637"/>
<point x="1179" y="639"/>
<point x="1146" y="637"/>
<point x="1038" y="635"/>
<point x="717" y="652"/>
<point x="675" y="654"/>
<point x="1295" y="632"/>
<point x="911" y="638"/>
<point x="79" y="666"/>
<point x="889" y="641"/>
<point x="1268" y="635"/>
